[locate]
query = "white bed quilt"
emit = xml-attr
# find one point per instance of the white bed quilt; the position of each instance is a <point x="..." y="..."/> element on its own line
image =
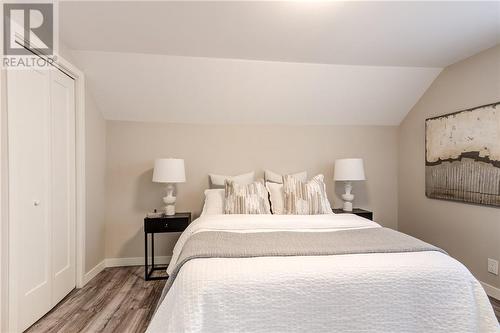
<point x="391" y="292"/>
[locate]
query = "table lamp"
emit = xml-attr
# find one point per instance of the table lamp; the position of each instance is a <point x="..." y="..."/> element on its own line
<point x="169" y="171"/>
<point x="349" y="170"/>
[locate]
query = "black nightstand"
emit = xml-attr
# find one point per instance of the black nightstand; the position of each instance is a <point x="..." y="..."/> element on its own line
<point x="358" y="211"/>
<point x="154" y="225"/>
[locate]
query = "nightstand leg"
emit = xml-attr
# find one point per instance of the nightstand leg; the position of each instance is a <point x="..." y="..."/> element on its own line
<point x="146" y="256"/>
<point x="152" y="251"/>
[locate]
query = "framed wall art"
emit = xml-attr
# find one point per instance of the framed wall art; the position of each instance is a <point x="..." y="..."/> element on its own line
<point x="462" y="156"/>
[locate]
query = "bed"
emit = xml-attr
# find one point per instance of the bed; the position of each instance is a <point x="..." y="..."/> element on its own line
<point x="411" y="291"/>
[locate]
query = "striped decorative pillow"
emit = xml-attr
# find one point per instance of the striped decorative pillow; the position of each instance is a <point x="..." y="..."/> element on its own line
<point x="305" y="198"/>
<point x="246" y="199"/>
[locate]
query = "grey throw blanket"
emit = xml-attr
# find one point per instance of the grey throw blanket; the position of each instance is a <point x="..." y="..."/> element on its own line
<point x="221" y="244"/>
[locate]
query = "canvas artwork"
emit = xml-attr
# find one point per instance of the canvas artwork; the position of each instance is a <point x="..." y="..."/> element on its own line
<point x="462" y="160"/>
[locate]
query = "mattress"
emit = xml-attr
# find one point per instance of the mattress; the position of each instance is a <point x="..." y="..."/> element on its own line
<point x="379" y="292"/>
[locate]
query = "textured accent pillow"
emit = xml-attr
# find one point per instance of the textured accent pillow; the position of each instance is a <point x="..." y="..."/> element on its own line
<point x="274" y="177"/>
<point x="218" y="181"/>
<point x="305" y="198"/>
<point x="246" y="199"/>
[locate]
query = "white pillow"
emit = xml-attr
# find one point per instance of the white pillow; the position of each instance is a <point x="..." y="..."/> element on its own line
<point x="276" y="196"/>
<point x="274" y="177"/>
<point x="214" y="202"/>
<point x="218" y="181"/>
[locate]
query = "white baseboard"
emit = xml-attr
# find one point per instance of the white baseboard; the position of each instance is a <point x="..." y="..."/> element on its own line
<point x="491" y="291"/>
<point x="93" y="272"/>
<point x="134" y="261"/>
<point x="117" y="262"/>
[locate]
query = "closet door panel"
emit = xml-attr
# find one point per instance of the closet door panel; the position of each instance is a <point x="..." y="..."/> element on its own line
<point x="29" y="168"/>
<point x="63" y="184"/>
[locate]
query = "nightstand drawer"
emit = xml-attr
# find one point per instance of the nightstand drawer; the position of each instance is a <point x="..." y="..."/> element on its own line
<point x="165" y="225"/>
<point x="366" y="215"/>
<point x="357" y="211"/>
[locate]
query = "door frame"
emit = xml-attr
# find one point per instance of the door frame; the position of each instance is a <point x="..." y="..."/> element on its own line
<point x="71" y="70"/>
<point x="8" y="316"/>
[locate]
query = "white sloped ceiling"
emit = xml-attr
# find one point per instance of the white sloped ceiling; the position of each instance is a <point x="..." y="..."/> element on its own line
<point x="270" y="62"/>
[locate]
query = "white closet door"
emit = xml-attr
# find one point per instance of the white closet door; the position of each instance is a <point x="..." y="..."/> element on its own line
<point x="42" y="192"/>
<point x="29" y="175"/>
<point x="63" y="215"/>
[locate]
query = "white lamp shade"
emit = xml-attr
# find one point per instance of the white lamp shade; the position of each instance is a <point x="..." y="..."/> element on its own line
<point x="349" y="169"/>
<point x="169" y="170"/>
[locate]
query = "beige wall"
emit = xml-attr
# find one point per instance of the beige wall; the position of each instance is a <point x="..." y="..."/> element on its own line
<point x="95" y="169"/>
<point x="469" y="233"/>
<point x="4" y="231"/>
<point x="232" y="149"/>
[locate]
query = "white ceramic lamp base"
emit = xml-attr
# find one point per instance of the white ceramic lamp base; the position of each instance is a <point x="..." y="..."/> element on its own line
<point x="347" y="206"/>
<point x="348" y="197"/>
<point x="169" y="200"/>
<point x="170" y="210"/>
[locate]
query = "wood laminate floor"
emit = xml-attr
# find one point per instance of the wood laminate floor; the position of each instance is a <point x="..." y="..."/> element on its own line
<point x="117" y="300"/>
<point x="496" y="307"/>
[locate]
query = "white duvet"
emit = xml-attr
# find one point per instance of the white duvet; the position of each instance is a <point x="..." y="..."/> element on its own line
<point x="391" y="292"/>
